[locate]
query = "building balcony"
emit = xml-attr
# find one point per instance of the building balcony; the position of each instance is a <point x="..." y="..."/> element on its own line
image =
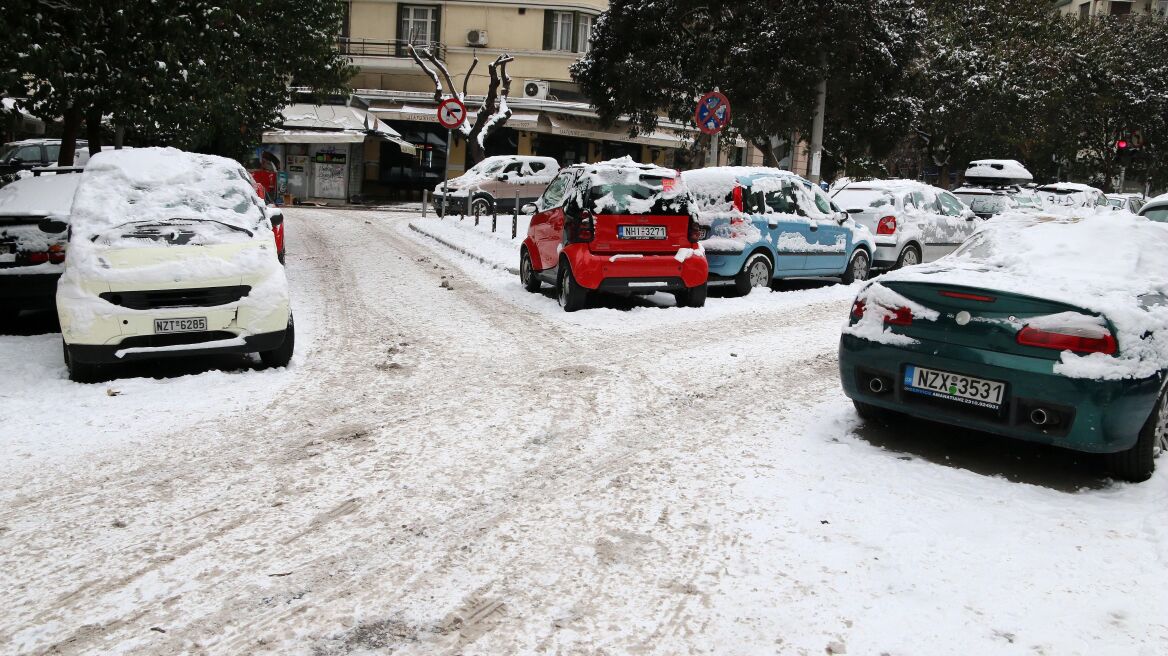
<point x="395" y="48"/>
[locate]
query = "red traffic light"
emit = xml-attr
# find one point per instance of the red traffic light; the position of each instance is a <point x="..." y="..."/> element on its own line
<point x="1121" y="144"/>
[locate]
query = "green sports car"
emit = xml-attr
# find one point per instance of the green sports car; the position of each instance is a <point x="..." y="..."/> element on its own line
<point x="1049" y="328"/>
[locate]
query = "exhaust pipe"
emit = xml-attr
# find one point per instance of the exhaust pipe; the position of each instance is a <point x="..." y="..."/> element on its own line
<point x="876" y="385"/>
<point x="1040" y="417"/>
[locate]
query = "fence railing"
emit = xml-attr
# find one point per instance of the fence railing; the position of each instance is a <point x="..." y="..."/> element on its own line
<point x="392" y="48"/>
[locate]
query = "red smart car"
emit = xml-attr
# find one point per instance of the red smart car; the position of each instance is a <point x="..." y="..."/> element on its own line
<point x="618" y="227"/>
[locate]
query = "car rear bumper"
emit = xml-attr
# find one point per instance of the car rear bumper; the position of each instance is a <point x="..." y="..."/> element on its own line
<point x="725" y="265"/>
<point x="636" y="272"/>
<point x="1096" y="416"/>
<point x="152" y="347"/>
<point x="28" y="291"/>
<point x="885" y="255"/>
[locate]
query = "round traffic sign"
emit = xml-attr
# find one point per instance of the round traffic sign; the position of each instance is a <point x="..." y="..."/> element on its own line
<point x="713" y="113"/>
<point x="451" y="113"/>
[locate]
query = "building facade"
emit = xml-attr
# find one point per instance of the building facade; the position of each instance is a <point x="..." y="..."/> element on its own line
<point x="550" y="117"/>
<point x="1092" y="8"/>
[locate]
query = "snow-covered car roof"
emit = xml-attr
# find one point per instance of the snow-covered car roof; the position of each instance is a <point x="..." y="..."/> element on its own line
<point x="892" y="185"/>
<point x="1125" y="196"/>
<point x="488" y="168"/>
<point x="985" y="191"/>
<point x="42" y="195"/>
<point x="161" y="184"/>
<point x="1068" y="187"/>
<point x="40" y="142"/>
<point x="627" y="163"/>
<point x="710" y="186"/>
<point x="998" y="169"/>
<point x="1103" y="261"/>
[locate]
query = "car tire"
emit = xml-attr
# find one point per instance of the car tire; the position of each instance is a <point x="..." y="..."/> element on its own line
<point x="694" y="297"/>
<point x="481" y="206"/>
<point x="757" y="271"/>
<point x="1137" y="463"/>
<point x="282" y="354"/>
<point x="571" y="295"/>
<point x="858" y="269"/>
<point x="527" y="274"/>
<point x="910" y="256"/>
<point x="80" y="372"/>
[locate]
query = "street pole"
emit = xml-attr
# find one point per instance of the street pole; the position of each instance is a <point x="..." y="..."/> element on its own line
<point x="446" y="173"/>
<point x="817" y="124"/>
<point x="715" y="141"/>
<point x="1122" y="177"/>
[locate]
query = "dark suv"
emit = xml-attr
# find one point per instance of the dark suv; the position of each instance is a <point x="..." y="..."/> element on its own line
<point x="35" y="153"/>
<point x="618" y="227"/>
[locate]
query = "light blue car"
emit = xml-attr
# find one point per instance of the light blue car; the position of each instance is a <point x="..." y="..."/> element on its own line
<point x="763" y="224"/>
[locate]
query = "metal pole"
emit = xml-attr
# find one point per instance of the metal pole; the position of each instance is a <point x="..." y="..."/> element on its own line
<point x="515" y="215"/>
<point x="425" y="203"/>
<point x="494" y="215"/>
<point x="1122" y="177"/>
<point x="715" y="142"/>
<point x="446" y="173"/>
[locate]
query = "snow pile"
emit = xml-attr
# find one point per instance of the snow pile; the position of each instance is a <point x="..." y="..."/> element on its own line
<point x="1109" y="263"/>
<point x="42" y="195"/>
<point x="998" y="169"/>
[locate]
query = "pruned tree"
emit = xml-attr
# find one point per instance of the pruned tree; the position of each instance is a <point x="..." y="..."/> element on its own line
<point x="492" y="114"/>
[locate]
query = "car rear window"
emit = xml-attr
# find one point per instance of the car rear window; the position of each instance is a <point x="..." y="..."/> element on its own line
<point x="858" y="199"/>
<point x="648" y="195"/>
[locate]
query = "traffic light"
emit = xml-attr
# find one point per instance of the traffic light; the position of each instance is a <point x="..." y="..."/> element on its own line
<point x="1124" y="149"/>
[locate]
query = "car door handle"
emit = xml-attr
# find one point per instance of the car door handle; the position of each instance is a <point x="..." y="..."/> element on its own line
<point x="814" y="227"/>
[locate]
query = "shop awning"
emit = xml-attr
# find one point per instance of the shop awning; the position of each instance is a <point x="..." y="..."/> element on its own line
<point x="313" y="137"/>
<point x="518" y="120"/>
<point x="304" y="123"/>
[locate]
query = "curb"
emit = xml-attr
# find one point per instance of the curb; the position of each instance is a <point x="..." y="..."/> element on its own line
<point x="474" y="256"/>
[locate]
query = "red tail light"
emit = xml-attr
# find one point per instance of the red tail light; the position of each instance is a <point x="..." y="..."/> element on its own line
<point x="1065" y="341"/>
<point x="738" y="204"/>
<point x="38" y="258"/>
<point x="584" y="229"/>
<point x="967" y="297"/>
<point x="56" y="253"/>
<point x="887" y="226"/>
<point x="900" y="316"/>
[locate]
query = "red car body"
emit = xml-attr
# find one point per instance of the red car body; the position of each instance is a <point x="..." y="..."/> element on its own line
<point x="581" y="240"/>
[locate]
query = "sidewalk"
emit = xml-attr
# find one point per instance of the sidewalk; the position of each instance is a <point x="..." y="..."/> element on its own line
<point x="495" y="249"/>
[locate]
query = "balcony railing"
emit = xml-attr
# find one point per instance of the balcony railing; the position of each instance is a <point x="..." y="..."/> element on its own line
<point x="392" y="48"/>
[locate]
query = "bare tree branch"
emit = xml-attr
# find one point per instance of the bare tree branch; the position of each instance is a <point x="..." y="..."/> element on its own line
<point x="494" y="111"/>
<point x="441" y="69"/>
<point x="466" y="80"/>
<point x="429" y="71"/>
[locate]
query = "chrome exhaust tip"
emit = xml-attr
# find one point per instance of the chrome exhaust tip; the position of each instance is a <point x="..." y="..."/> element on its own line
<point x="876" y="385"/>
<point x="1039" y="417"/>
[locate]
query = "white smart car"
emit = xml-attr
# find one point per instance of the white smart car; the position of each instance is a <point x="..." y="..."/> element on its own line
<point x="912" y="222"/>
<point x="170" y="254"/>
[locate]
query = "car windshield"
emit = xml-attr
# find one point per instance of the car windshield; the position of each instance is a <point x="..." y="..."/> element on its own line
<point x="987" y="203"/>
<point x="488" y="168"/>
<point x="1116" y="202"/>
<point x="648" y="196"/>
<point x="858" y="199"/>
<point x="1157" y="214"/>
<point x="1027" y="201"/>
<point x="7" y="153"/>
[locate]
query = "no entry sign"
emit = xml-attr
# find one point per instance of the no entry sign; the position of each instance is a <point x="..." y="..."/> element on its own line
<point x="451" y="113"/>
<point x="713" y="113"/>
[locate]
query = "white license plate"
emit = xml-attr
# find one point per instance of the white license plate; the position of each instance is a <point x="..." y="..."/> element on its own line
<point x="189" y="325"/>
<point x="640" y="232"/>
<point x="954" y="387"/>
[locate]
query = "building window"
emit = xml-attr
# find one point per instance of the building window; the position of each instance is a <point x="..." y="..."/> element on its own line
<point x="1120" y="8"/>
<point x="568" y="31"/>
<point x="419" y="24"/>
<point x="1085" y="10"/>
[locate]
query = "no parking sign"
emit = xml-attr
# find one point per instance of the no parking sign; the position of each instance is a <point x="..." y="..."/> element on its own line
<point x="713" y="112"/>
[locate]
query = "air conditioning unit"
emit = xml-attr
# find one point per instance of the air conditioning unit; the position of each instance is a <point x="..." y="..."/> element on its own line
<point x="537" y="89"/>
<point x="476" y="38"/>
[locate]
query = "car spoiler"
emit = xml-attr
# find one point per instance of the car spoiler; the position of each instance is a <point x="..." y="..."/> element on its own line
<point x="56" y="169"/>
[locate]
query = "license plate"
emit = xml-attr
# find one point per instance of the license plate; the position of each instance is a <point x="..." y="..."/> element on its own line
<point x="640" y="232"/>
<point x="954" y="387"/>
<point x="189" y="325"/>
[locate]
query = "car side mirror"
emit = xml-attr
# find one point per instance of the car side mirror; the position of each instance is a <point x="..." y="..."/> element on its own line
<point x="529" y="208"/>
<point x="773" y="221"/>
<point x="841" y="217"/>
<point x="505" y="177"/>
<point x="52" y="226"/>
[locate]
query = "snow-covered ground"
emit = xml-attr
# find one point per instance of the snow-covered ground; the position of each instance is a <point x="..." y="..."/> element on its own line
<point x="453" y="465"/>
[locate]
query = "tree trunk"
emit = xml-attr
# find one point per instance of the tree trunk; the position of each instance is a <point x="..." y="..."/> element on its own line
<point x="72" y="125"/>
<point x="93" y="129"/>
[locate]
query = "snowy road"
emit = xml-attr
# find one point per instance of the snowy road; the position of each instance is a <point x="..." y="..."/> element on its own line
<point x="463" y="469"/>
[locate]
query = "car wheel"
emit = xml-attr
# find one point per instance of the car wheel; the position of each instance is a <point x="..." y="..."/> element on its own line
<point x="1137" y="463"/>
<point x="571" y="295"/>
<point x="910" y="256"/>
<point x="527" y="275"/>
<point x="858" y="268"/>
<point x="694" y="297"/>
<point x="80" y="372"/>
<point x="480" y="207"/>
<point x="282" y="354"/>
<point x="756" y="272"/>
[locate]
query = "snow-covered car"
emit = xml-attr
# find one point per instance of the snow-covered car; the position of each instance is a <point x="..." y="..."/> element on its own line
<point x="912" y="222"/>
<point x="763" y="224"/>
<point x="34" y="213"/>
<point x="1156" y="209"/>
<point x="496" y="184"/>
<point x="618" y="227"/>
<point x="36" y="153"/>
<point x="994" y="186"/>
<point x="1063" y="345"/>
<point x="1071" y="194"/>
<point x="1126" y="202"/>
<point x="170" y="254"/>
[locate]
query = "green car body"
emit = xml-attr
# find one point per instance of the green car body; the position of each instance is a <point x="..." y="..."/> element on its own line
<point x="979" y="338"/>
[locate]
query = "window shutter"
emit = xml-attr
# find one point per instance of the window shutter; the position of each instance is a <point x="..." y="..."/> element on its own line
<point x="437" y="35"/>
<point x="575" y="31"/>
<point x="401" y="23"/>
<point x="549" y="18"/>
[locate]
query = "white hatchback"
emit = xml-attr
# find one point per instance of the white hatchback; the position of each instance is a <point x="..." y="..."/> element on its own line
<point x="912" y="222"/>
<point x="170" y="253"/>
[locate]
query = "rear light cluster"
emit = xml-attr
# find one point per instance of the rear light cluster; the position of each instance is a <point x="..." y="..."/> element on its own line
<point x="584" y="230"/>
<point x="1067" y="340"/>
<point x="695" y="232"/>
<point x="900" y="316"/>
<point x="55" y="254"/>
<point x="738" y="203"/>
<point x="887" y="226"/>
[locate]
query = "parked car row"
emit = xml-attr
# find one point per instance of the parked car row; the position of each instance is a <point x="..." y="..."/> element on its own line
<point x="148" y="253"/>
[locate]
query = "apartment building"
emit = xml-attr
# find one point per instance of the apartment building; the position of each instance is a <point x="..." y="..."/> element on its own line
<point x="1090" y="8"/>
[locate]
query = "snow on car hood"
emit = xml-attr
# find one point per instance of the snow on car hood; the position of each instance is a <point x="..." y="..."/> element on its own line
<point x="1107" y="262"/>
